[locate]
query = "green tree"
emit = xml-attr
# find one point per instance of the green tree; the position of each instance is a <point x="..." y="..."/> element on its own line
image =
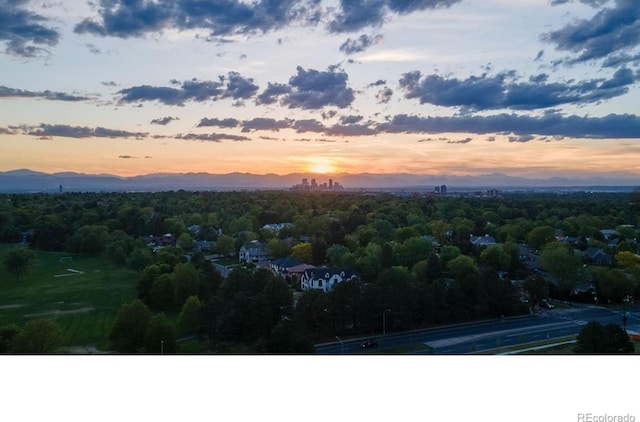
<point x="225" y="245"/>
<point x="7" y="334"/>
<point x="186" y="282"/>
<point x="283" y="339"/>
<point x="369" y="263"/>
<point x="278" y="248"/>
<point x="536" y="287"/>
<point x="563" y="263"/>
<point x="448" y="253"/>
<point x="18" y="261"/>
<point x="496" y="258"/>
<point x="463" y="266"/>
<point x="162" y="293"/>
<point x="128" y="330"/>
<point x="38" y="336"/>
<point x="597" y="339"/>
<point x="336" y="254"/>
<point x="540" y="236"/>
<point x="160" y="335"/>
<point x="139" y="259"/>
<point x="405" y="233"/>
<point x="188" y="319"/>
<point x="119" y="246"/>
<point x="185" y="241"/>
<point x="89" y="240"/>
<point x="413" y="250"/>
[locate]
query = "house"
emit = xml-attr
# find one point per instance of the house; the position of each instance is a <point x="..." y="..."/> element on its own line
<point x="609" y="233"/>
<point x="281" y="266"/>
<point x="204" y="245"/>
<point x="276" y="227"/>
<point x="296" y="272"/>
<point x="482" y="241"/>
<point x="432" y="240"/>
<point x="324" y="278"/>
<point x="253" y="251"/>
<point x="597" y="256"/>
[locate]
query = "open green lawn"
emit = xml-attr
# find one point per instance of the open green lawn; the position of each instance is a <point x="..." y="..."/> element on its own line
<point x="82" y="294"/>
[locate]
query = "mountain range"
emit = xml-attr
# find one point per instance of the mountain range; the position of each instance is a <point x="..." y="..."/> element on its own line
<point x="24" y="180"/>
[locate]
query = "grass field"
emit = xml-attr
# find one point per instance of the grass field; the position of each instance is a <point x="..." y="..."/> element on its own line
<point x="82" y="293"/>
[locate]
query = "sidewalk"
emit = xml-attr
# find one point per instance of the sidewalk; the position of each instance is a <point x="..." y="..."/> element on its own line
<point x="529" y="349"/>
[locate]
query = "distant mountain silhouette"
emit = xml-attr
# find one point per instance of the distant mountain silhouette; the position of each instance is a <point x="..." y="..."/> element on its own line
<point x="24" y="180"/>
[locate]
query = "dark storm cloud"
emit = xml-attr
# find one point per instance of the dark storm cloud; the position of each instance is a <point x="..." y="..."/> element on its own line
<point x="551" y="124"/>
<point x="24" y="33"/>
<point x="66" y="131"/>
<point x="329" y="114"/>
<point x="521" y="138"/>
<point x="164" y="121"/>
<point x="212" y="137"/>
<point x="313" y="89"/>
<point x="6" y="92"/>
<point x="226" y="123"/>
<point x="611" y="31"/>
<point x="239" y="87"/>
<point x="592" y="3"/>
<point x="349" y="120"/>
<point x="360" y="44"/>
<point x="132" y="18"/>
<point x="223" y="18"/>
<point x="379" y="82"/>
<point x="264" y="123"/>
<point x="272" y="93"/>
<point x="461" y="141"/>
<point x="354" y="15"/>
<point x="384" y="95"/>
<point x="231" y="86"/>
<point x="487" y="92"/>
<point x="308" y="125"/>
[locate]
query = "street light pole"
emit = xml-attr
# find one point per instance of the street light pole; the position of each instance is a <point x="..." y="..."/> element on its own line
<point x="384" y="321"/>
<point x="162" y="347"/>
<point x="624" y="312"/>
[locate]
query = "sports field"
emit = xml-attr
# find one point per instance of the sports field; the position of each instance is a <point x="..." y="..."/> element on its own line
<point x="82" y="293"/>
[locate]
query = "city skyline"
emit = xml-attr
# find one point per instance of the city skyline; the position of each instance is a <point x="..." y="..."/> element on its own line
<point x="535" y="89"/>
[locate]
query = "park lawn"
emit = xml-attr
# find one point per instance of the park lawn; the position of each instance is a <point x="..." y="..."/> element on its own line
<point x="82" y="294"/>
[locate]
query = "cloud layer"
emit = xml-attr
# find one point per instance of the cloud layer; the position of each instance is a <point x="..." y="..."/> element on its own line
<point x="23" y="32"/>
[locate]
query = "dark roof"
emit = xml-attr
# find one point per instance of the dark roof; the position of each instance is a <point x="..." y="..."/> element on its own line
<point x="287" y="262"/>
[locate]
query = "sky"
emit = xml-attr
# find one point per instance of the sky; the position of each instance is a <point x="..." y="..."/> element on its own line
<point x="528" y="88"/>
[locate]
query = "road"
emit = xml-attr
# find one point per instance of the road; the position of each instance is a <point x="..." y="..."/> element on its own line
<point x="488" y="335"/>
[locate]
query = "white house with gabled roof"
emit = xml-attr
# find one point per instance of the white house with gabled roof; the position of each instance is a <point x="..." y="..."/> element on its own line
<point x="324" y="278"/>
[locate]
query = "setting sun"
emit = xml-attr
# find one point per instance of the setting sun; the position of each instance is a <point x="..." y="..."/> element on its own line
<point x="321" y="167"/>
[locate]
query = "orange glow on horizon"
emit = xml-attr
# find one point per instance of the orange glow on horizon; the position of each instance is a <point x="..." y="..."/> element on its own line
<point x="321" y="166"/>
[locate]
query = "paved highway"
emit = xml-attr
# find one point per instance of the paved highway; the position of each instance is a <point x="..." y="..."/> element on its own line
<point x="488" y="335"/>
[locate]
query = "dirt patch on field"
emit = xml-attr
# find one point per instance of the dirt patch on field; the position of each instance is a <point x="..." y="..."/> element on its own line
<point x="71" y="272"/>
<point x="57" y="312"/>
<point x="10" y="307"/>
<point x="83" y="350"/>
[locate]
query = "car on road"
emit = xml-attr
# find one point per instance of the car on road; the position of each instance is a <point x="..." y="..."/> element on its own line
<point x="369" y="344"/>
<point x="546" y="304"/>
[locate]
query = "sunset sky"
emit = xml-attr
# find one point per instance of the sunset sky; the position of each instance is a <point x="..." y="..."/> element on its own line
<point x="533" y="88"/>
